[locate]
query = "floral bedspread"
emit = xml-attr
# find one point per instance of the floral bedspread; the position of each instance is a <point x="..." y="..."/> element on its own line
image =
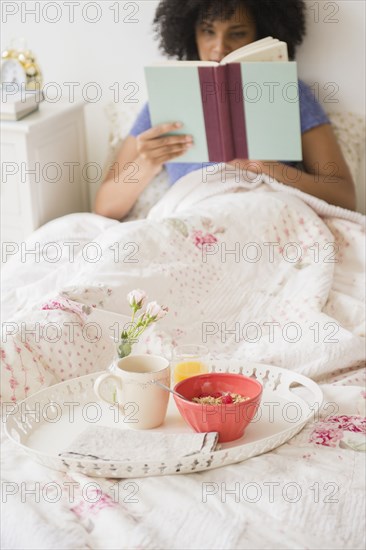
<point x="226" y="265"/>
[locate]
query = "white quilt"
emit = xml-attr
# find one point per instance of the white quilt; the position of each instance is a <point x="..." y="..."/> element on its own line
<point x="256" y="271"/>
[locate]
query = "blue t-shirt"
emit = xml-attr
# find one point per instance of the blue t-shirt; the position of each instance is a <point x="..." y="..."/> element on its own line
<point x="311" y="115"/>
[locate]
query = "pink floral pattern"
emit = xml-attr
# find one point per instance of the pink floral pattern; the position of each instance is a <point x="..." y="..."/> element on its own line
<point x="84" y="507"/>
<point x="200" y="239"/>
<point x="350" y="423"/>
<point x="63" y="303"/>
<point x="32" y="360"/>
<point x="326" y="434"/>
<point x="331" y="431"/>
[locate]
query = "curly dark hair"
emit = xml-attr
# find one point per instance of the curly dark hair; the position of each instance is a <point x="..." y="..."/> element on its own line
<point x="175" y="22"/>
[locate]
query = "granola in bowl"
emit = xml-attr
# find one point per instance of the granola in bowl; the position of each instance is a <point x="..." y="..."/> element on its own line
<point x="220" y="398"/>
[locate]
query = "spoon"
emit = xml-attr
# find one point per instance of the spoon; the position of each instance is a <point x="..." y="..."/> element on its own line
<point x="170" y="390"/>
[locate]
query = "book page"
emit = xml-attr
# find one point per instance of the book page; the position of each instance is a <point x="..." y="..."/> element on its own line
<point x="249" y="47"/>
<point x="237" y="55"/>
<point x="275" y="52"/>
<point x="172" y="63"/>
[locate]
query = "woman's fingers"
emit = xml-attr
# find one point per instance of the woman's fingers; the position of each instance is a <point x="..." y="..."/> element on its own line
<point x="171" y="156"/>
<point x="161" y="142"/>
<point x="154" y="137"/>
<point x="167" y="141"/>
<point x="160" y="129"/>
<point x="168" y="152"/>
<point x="157" y="148"/>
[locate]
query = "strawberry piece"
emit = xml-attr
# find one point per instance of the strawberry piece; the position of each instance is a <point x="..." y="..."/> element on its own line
<point x="226" y="399"/>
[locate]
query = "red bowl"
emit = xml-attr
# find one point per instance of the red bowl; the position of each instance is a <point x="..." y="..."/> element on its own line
<point x="228" y="420"/>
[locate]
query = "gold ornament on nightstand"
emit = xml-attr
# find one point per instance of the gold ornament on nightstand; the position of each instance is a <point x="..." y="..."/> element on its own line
<point x="20" y="67"/>
<point x="21" y="82"/>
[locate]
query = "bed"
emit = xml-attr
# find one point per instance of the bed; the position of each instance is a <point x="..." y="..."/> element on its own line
<point x="309" y="492"/>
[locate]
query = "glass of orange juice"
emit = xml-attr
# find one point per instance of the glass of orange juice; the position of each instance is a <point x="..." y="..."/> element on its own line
<point x="189" y="360"/>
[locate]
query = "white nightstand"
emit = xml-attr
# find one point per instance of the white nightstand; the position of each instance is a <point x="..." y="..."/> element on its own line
<point x="43" y="168"/>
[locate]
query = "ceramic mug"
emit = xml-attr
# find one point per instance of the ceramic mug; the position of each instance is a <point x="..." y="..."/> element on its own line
<point x="143" y="402"/>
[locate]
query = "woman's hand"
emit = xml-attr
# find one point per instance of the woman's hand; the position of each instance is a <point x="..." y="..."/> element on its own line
<point x="145" y="154"/>
<point x="155" y="149"/>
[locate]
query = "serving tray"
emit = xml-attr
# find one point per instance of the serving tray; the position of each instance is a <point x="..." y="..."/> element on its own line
<point x="47" y="422"/>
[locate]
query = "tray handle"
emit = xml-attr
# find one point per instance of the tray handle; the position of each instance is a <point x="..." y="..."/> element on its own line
<point x="289" y="378"/>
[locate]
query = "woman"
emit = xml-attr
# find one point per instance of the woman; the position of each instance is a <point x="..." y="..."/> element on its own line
<point x="209" y="31"/>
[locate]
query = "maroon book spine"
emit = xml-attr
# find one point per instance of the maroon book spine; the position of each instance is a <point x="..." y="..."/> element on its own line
<point x="228" y="151"/>
<point x="235" y="94"/>
<point x="209" y="96"/>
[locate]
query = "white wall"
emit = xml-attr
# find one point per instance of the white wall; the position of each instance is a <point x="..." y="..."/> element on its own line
<point x="333" y="53"/>
<point x="110" y="52"/>
<point x="115" y="48"/>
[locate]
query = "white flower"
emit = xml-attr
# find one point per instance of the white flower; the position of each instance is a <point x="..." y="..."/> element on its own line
<point x="136" y="298"/>
<point x="155" y="311"/>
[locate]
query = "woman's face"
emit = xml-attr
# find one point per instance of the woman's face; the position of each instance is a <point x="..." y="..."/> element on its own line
<point x="218" y="38"/>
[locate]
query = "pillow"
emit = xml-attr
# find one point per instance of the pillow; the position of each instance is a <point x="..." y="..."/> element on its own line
<point x="348" y="127"/>
<point x="350" y="131"/>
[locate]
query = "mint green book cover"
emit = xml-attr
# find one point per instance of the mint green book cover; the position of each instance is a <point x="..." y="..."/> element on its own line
<point x="175" y="96"/>
<point x="272" y="113"/>
<point x="271" y="107"/>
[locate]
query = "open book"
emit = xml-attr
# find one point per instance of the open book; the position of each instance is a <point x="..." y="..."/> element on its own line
<point x="246" y="106"/>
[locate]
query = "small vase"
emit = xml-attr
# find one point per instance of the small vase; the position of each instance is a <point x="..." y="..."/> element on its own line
<point x="124" y="347"/>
